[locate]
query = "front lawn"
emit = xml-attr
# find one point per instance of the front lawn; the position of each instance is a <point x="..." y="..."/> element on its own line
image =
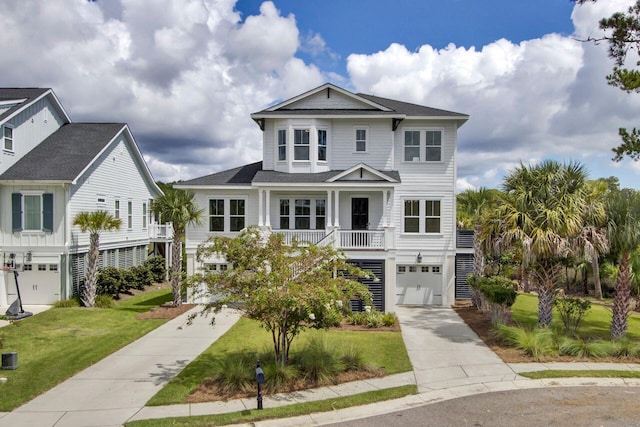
<point x="385" y="350"/>
<point x="56" y="344"/>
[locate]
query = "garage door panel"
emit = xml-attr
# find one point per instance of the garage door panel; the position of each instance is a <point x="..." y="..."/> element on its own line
<point x="418" y="285"/>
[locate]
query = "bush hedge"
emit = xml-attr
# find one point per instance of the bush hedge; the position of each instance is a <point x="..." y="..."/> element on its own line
<point x="113" y="281"/>
<point x="494" y="295"/>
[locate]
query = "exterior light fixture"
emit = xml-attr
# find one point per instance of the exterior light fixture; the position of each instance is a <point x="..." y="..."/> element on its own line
<point x="419" y="258"/>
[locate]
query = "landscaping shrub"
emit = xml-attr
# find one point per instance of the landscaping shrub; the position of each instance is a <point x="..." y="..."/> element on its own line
<point x="626" y="347"/>
<point x="495" y="295"/>
<point x="318" y="361"/>
<point x="110" y="281"/>
<point x="356" y="318"/>
<point x="373" y="319"/>
<point x="572" y="312"/>
<point x="534" y="342"/>
<point x="235" y="373"/>
<point x="155" y="264"/>
<point x="141" y="277"/>
<point x="585" y="348"/>
<point x="66" y="303"/>
<point x="353" y="360"/>
<point x="331" y="318"/>
<point x="277" y="376"/>
<point x="104" y="301"/>
<point x="389" y="319"/>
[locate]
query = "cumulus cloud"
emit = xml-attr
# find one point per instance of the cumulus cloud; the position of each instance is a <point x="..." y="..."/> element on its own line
<point x="540" y="98"/>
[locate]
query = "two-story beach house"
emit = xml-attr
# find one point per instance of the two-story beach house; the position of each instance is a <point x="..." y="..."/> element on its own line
<point x="50" y="170"/>
<point x="372" y="176"/>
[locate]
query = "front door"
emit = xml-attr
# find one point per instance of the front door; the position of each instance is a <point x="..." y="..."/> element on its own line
<point x="359" y="214"/>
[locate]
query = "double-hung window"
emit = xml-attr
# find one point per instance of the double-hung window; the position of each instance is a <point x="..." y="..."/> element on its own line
<point x="129" y="214"/>
<point x="144" y="215"/>
<point x="322" y="145"/>
<point x="301" y="144"/>
<point x="7" y="134"/>
<point x="422" y="145"/>
<point x="32" y="212"/>
<point x="422" y="216"/>
<point x="284" y="214"/>
<point x="302" y="214"/>
<point x="282" y="144"/>
<point x="320" y="214"/>
<point x="116" y="209"/>
<point x="236" y="214"/>
<point x="216" y="215"/>
<point x="361" y="140"/>
<point x="412" y="216"/>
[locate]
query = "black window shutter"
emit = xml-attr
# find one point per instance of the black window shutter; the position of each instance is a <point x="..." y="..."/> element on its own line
<point x="47" y="212"/>
<point x="16" y="211"/>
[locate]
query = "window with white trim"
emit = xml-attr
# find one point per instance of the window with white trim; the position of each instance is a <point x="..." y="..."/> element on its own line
<point x="116" y="209"/>
<point x="301" y="144"/>
<point x="7" y="134"/>
<point x="361" y="140"/>
<point x="320" y="214"/>
<point x="129" y="214"/>
<point x="284" y="214"/>
<point x="32" y="211"/>
<point x="144" y="215"/>
<point x="236" y="214"/>
<point x="216" y="215"/>
<point x="322" y="145"/>
<point x="422" y="216"/>
<point x="422" y="145"/>
<point x="302" y="214"/>
<point x="411" y="216"/>
<point x="282" y="144"/>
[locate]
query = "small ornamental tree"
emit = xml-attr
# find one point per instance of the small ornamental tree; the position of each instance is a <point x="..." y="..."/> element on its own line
<point x="286" y="287"/>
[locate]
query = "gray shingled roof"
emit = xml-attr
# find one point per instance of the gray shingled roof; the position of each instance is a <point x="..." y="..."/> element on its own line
<point x="253" y="173"/>
<point x="10" y="94"/>
<point x="65" y="153"/>
<point x="410" y="109"/>
<point x="242" y="175"/>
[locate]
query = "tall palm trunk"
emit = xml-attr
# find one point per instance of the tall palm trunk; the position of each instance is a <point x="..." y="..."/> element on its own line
<point x="546" y="276"/>
<point x="89" y="291"/>
<point x="478" y="254"/>
<point x="176" y="268"/>
<point x="595" y="262"/>
<point x="622" y="298"/>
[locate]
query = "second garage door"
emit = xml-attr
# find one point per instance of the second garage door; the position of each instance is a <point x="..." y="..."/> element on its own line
<point x="419" y="284"/>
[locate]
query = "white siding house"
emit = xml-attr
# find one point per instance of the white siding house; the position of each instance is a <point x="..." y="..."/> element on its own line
<point x="372" y="176"/>
<point x="50" y="170"/>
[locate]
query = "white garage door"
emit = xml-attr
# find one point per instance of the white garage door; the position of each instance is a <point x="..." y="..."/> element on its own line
<point x="39" y="284"/>
<point x="419" y="284"/>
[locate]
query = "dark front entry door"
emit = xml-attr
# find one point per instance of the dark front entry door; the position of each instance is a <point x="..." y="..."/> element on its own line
<point x="359" y="214"/>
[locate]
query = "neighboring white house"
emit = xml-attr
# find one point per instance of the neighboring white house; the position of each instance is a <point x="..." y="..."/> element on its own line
<point x="50" y="170"/>
<point x="372" y="176"/>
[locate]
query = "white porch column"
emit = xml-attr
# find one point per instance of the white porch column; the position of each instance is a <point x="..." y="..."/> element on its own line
<point x="329" y="205"/>
<point x="268" y="206"/>
<point x="336" y="220"/>
<point x="384" y="208"/>
<point x="260" y="208"/>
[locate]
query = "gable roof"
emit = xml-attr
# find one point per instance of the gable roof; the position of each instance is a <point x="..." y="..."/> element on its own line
<point x="376" y="107"/>
<point x="23" y="97"/>
<point x="250" y="174"/>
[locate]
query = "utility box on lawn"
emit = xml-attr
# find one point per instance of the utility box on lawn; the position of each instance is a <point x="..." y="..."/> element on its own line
<point x="10" y="360"/>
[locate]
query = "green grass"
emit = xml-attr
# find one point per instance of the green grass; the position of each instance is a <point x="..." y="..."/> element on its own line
<point x="56" y="344"/>
<point x="249" y="416"/>
<point x="383" y="349"/>
<point x="595" y="325"/>
<point x="552" y="373"/>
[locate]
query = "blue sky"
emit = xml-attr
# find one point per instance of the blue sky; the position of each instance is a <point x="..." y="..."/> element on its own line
<point x="186" y="74"/>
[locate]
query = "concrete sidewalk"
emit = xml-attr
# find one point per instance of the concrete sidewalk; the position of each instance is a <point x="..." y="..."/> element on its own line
<point x="114" y="389"/>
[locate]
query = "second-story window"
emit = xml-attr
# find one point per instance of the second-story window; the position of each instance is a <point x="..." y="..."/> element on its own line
<point x="129" y="214"/>
<point x="144" y="215"/>
<point x="361" y="140"/>
<point x="432" y="217"/>
<point x="116" y="212"/>
<point x="412" y="146"/>
<point x="216" y="215"/>
<point x="434" y="146"/>
<point x="411" y="216"/>
<point x="236" y="215"/>
<point x="301" y="144"/>
<point x="8" y="138"/>
<point x="322" y="145"/>
<point x="282" y="144"/>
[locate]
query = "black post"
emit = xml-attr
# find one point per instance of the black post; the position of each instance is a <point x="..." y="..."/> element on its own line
<point x="259" y="380"/>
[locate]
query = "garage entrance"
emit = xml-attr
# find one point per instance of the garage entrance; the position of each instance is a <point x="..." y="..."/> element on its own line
<point x="419" y="284"/>
<point x="39" y="284"/>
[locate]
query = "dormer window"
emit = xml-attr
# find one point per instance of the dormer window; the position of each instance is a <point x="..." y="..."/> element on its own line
<point x="301" y="144"/>
<point x="282" y="144"/>
<point x="322" y="145"/>
<point x="7" y="134"/>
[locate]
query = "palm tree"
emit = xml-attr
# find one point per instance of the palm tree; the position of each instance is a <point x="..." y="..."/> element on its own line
<point x="180" y="208"/>
<point x="542" y="210"/>
<point x="471" y="205"/>
<point x="623" y="210"/>
<point x="95" y="223"/>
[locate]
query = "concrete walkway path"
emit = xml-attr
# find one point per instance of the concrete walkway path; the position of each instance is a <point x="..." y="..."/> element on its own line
<point x="114" y="389"/>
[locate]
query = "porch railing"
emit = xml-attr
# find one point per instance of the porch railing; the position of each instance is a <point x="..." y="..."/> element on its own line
<point x="361" y="239"/>
<point x="302" y="236"/>
<point x="161" y="231"/>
